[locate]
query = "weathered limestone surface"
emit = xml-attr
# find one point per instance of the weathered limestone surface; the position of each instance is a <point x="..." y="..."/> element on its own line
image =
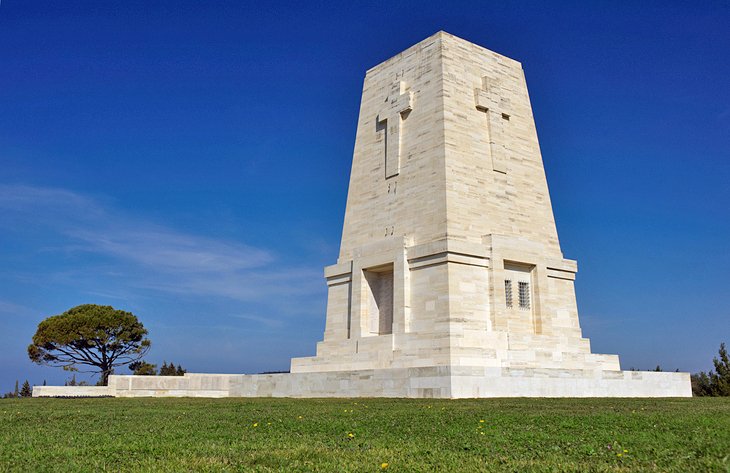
<point x="450" y="280"/>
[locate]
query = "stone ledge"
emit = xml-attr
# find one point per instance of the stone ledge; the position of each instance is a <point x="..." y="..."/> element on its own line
<point x="72" y="391"/>
<point x="424" y="382"/>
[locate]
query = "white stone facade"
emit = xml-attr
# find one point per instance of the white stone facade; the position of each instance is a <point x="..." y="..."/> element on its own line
<point x="450" y="254"/>
<point x="450" y="280"/>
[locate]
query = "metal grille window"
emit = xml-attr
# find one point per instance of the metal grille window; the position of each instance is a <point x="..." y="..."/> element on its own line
<point x="524" y="295"/>
<point x="508" y="292"/>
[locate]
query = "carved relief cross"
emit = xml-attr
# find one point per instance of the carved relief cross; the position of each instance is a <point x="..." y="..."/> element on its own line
<point x="497" y="110"/>
<point x="397" y="106"/>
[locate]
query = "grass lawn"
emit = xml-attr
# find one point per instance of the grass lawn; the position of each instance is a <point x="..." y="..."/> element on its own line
<point x="361" y="435"/>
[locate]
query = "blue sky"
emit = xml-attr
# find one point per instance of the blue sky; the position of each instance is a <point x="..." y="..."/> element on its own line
<point x="189" y="161"/>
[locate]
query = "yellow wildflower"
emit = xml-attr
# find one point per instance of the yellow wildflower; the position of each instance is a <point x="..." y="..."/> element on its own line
<point x="255" y="424"/>
<point x="383" y="466"/>
<point x="481" y="421"/>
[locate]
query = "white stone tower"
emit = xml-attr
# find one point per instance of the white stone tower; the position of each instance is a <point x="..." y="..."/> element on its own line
<point x="449" y="251"/>
<point x="450" y="255"/>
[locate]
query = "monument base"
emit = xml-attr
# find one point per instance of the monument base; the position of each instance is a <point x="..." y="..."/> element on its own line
<point x="426" y="382"/>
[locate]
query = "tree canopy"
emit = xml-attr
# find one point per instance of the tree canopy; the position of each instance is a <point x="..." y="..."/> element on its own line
<point x="26" y="390"/>
<point x="714" y="383"/>
<point x="170" y="370"/>
<point x="142" y="368"/>
<point x="100" y="337"/>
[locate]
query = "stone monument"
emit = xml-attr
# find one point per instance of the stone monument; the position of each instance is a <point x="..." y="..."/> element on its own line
<point x="450" y="280"/>
<point x="450" y="255"/>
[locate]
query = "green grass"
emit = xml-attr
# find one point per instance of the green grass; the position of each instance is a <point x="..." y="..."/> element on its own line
<point x="410" y="435"/>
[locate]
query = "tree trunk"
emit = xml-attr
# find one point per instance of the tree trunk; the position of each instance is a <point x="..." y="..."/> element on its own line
<point x="105" y="372"/>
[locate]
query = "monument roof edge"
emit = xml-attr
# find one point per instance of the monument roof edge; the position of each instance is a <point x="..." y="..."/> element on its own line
<point x="438" y="36"/>
<point x="462" y="40"/>
<point x="434" y="37"/>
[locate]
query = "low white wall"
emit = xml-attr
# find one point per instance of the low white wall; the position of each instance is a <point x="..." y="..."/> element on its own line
<point x="496" y="382"/>
<point x="72" y="391"/>
<point x="189" y="385"/>
<point x="426" y="382"/>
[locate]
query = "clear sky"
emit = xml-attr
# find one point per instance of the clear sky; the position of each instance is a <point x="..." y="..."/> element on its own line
<point x="189" y="161"/>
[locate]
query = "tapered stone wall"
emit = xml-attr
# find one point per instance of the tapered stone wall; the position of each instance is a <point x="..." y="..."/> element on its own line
<point x="448" y="189"/>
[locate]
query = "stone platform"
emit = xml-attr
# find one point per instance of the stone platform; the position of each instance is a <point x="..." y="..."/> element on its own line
<point x="425" y="382"/>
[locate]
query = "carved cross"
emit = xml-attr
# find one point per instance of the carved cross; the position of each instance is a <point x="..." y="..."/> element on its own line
<point x="397" y="106"/>
<point x="497" y="111"/>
